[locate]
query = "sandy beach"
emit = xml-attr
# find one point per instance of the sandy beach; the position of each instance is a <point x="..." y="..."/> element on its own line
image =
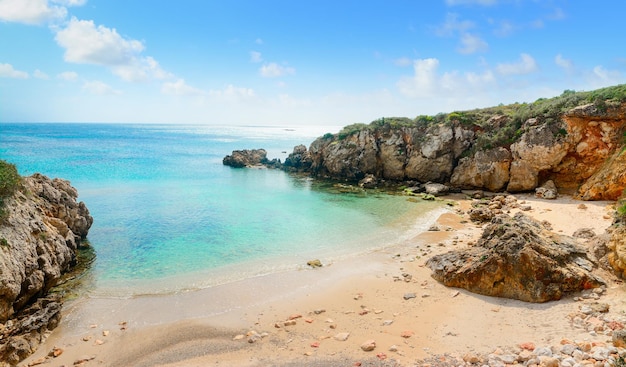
<point x="323" y="316"/>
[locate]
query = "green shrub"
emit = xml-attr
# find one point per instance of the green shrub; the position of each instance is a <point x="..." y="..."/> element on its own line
<point x="9" y="179"/>
<point x="9" y="183"/>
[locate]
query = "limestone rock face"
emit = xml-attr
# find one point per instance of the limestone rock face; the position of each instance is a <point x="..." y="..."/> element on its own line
<point x="426" y="153"/>
<point x="538" y="149"/>
<point x="608" y="182"/>
<point x="39" y="235"/>
<point x="617" y="247"/>
<point x="486" y="169"/>
<point x="245" y="158"/>
<point x="518" y="258"/>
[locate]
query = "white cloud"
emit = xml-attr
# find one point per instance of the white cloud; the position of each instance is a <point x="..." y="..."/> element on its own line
<point x="40" y="75"/>
<point x="7" y="71"/>
<point x="428" y="82"/>
<point x="453" y="25"/>
<point x="180" y="88"/>
<point x="141" y="69"/>
<point x="471" y="44"/>
<point x="99" y="88"/>
<point x="255" y="56"/>
<point x="30" y="11"/>
<point x="471" y="2"/>
<point x="233" y="93"/>
<point x="564" y="63"/>
<point x="84" y="43"/>
<point x="69" y="76"/>
<point x="601" y="77"/>
<point x="526" y="65"/>
<point x="273" y="70"/>
<point x="70" y="2"/>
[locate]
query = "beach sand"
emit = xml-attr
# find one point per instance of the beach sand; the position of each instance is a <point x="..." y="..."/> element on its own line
<point x="363" y="298"/>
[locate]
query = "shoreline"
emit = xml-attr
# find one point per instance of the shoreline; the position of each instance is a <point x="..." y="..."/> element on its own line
<point x="362" y="296"/>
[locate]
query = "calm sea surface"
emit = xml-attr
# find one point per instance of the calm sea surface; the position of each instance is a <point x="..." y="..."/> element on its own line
<point x="168" y="216"/>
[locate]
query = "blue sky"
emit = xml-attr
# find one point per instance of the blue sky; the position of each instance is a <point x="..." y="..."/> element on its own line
<point x="289" y="62"/>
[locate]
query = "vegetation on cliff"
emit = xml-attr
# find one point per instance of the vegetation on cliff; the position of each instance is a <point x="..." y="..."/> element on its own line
<point x="508" y="129"/>
<point x="9" y="183"/>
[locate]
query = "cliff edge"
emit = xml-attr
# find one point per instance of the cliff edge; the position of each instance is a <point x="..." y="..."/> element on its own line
<point x="41" y="228"/>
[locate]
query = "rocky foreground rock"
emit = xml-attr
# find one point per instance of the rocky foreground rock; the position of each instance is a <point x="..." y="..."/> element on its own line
<point x="40" y="234"/>
<point x="516" y="257"/>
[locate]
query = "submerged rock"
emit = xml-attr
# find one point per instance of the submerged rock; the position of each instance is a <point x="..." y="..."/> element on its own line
<point x="518" y="258"/>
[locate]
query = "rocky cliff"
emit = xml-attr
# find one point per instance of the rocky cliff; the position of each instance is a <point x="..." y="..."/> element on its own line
<point x="580" y="151"/>
<point x="41" y="229"/>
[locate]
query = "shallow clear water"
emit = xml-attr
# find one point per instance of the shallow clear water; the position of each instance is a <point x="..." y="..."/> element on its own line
<point x="169" y="216"/>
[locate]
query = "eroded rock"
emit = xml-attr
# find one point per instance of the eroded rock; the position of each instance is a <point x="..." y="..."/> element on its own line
<point x="518" y="258"/>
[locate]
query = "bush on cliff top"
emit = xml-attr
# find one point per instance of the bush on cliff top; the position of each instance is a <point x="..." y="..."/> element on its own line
<point x="545" y="110"/>
<point x="9" y="182"/>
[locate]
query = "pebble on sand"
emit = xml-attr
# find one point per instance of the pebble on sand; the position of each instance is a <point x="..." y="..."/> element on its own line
<point x="368" y="346"/>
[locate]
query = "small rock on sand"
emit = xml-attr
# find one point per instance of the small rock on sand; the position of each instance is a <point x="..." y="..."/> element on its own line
<point x="342" y="337"/>
<point x="368" y="346"/>
<point x="408" y="296"/>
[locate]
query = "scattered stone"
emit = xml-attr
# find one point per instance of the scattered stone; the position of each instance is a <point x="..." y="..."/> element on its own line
<point x="584" y="233"/>
<point x="454" y="293"/>
<point x="55" y="352"/>
<point x="381" y="356"/>
<point x="84" y="359"/>
<point x="619" y="338"/>
<point x="393" y="348"/>
<point x="434" y="228"/>
<point x="408" y="296"/>
<point x="582" y="206"/>
<point x="387" y="322"/>
<point x="528" y="346"/>
<point x="407" y="334"/>
<point x="87" y="338"/>
<point x="294" y="316"/>
<point x="105" y="333"/>
<point x="368" y="346"/>
<point x="289" y="323"/>
<point x="471" y="358"/>
<point x="315" y="345"/>
<point x="98" y="342"/>
<point x="342" y="337"/>
<point x="319" y="311"/>
<point x="547" y="191"/>
<point x="238" y="337"/>
<point x="314" y="263"/>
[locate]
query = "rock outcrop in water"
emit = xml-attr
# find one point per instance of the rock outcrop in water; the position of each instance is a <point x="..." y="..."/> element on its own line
<point x="40" y="233"/>
<point x="517" y="258"/>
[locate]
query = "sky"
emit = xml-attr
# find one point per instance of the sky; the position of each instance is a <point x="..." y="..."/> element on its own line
<point x="292" y="62"/>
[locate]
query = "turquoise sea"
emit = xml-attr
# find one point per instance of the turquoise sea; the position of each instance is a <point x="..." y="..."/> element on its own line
<point x="168" y="216"/>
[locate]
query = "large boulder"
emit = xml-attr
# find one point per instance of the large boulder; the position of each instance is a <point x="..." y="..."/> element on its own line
<point x="518" y="258"/>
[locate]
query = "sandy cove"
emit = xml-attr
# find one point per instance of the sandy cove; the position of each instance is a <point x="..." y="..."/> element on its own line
<point x="365" y="298"/>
